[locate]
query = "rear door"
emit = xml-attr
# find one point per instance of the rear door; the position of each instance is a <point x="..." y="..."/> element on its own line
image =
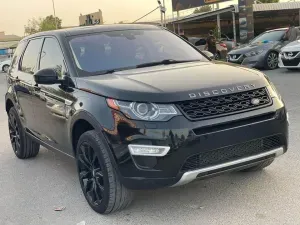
<point x="21" y="78"/>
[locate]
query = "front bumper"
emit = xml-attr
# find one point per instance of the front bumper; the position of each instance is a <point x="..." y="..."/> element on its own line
<point x="188" y="139"/>
<point x="256" y="61"/>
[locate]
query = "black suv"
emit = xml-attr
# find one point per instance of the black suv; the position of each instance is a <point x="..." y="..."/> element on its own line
<point x="139" y="108"/>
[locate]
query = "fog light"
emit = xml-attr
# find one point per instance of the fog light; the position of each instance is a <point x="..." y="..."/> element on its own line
<point x="148" y="150"/>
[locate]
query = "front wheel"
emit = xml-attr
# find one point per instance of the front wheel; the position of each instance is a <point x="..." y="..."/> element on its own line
<point x="271" y="61"/>
<point x="98" y="179"/>
<point x="217" y="56"/>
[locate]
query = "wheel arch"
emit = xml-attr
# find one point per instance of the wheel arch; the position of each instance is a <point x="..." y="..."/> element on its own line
<point x="82" y="122"/>
<point x="8" y="105"/>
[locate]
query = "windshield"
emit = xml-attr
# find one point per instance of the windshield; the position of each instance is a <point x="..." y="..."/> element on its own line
<point x="269" y="36"/>
<point x="129" y="48"/>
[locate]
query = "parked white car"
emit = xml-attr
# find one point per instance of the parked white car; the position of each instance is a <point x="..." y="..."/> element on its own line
<point x="4" y="65"/>
<point x="289" y="56"/>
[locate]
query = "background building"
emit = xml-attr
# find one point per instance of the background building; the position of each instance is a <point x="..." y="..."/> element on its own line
<point x="8" y="44"/>
<point x="95" y="18"/>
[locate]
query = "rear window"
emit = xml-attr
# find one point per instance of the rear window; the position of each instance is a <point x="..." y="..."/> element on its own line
<point x="129" y="48"/>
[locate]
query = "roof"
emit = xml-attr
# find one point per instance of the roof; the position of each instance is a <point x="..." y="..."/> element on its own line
<point x="234" y="8"/>
<point x="93" y="29"/>
<point x="198" y="16"/>
<point x="11" y="37"/>
<point x="276" y="6"/>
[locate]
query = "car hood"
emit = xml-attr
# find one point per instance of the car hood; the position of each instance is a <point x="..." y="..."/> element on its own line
<point x="292" y="47"/>
<point x="242" y="49"/>
<point x="172" y="83"/>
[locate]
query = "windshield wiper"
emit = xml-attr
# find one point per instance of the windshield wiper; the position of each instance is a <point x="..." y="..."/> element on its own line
<point x="164" y="62"/>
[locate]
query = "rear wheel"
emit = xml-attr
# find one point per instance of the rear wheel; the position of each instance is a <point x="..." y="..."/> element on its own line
<point x="260" y="166"/>
<point x="98" y="179"/>
<point x="5" y="68"/>
<point x="218" y="56"/>
<point x="271" y="61"/>
<point x="24" y="147"/>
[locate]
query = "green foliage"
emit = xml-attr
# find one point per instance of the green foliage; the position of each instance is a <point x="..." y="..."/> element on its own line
<point x="206" y="8"/>
<point x="217" y="34"/>
<point x="49" y="23"/>
<point x="42" y="24"/>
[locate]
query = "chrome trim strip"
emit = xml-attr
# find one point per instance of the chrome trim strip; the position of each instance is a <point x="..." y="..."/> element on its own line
<point x="192" y="175"/>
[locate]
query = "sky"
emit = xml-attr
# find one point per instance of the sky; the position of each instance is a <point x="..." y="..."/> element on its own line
<point x="18" y="12"/>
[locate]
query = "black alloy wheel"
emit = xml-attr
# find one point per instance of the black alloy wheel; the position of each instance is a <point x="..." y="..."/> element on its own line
<point x="271" y="61"/>
<point x="14" y="133"/>
<point x="98" y="177"/>
<point x="90" y="174"/>
<point x="5" y="68"/>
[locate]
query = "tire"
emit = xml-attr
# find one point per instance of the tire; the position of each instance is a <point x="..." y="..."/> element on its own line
<point x="5" y="68"/>
<point x="260" y="166"/>
<point x="218" y="56"/>
<point x="271" y="61"/>
<point x="99" y="180"/>
<point x="24" y="147"/>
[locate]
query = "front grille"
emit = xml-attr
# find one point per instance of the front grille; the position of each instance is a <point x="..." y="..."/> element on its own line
<point x="224" y="105"/>
<point x="292" y="62"/>
<point x="231" y="153"/>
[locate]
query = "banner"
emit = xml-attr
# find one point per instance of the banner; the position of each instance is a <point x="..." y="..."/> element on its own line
<point x="187" y="4"/>
<point x="246" y="20"/>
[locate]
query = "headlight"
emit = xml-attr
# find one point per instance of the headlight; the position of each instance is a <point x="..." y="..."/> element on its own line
<point x="253" y="53"/>
<point x="144" y="111"/>
<point x="274" y="90"/>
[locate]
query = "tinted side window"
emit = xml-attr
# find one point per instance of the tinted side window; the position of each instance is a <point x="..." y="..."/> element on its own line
<point x="31" y="55"/>
<point x="17" y="54"/>
<point x="52" y="56"/>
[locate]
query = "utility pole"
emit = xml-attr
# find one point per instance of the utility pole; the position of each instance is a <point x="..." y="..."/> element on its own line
<point x="54" y="14"/>
<point x="164" y="5"/>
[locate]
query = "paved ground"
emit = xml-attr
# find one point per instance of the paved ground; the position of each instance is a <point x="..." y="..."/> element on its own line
<point x="30" y="189"/>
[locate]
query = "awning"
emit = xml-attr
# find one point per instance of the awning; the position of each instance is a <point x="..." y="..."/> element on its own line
<point x="199" y="16"/>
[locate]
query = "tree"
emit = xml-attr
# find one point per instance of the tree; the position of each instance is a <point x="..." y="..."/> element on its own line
<point x="33" y="26"/>
<point x="42" y="24"/>
<point x="268" y="1"/>
<point x="206" y="8"/>
<point x="49" y="23"/>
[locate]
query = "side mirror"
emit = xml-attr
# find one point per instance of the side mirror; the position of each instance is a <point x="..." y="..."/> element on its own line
<point x="46" y="76"/>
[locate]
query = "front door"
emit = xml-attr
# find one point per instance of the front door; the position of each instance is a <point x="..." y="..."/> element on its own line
<point x="51" y="103"/>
